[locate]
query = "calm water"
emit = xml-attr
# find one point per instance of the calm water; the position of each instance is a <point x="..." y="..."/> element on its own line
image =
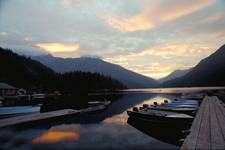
<point x="107" y="129"/>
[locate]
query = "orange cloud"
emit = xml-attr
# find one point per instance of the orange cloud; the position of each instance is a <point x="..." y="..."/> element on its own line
<point x="154" y="14"/>
<point x="172" y="50"/>
<point x="169" y="58"/>
<point x="59" y="47"/>
<point x="178" y="8"/>
<point x="138" y="22"/>
<point x="156" y="70"/>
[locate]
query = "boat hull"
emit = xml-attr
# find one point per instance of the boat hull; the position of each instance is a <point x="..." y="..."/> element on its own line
<point x="159" y="119"/>
<point x="188" y="111"/>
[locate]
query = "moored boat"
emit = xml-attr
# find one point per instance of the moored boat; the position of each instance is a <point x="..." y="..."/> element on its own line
<point x="193" y="96"/>
<point x="97" y="103"/>
<point x="6" y="112"/>
<point x="184" y="110"/>
<point x="159" y="116"/>
<point x="180" y="105"/>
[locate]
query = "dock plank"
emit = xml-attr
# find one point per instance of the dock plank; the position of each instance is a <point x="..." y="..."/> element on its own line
<point x="217" y="140"/>
<point x="203" y="141"/>
<point x="208" y="130"/>
<point x="35" y="117"/>
<point x="221" y="121"/>
<point x="49" y="115"/>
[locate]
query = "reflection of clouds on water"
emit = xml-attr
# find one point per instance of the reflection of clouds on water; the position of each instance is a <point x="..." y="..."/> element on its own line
<point x="56" y="136"/>
<point x="92" y="136"/>
<point x="108" y="129"/>
<point x="106" y="136"/>
<point x="120" y="119"/>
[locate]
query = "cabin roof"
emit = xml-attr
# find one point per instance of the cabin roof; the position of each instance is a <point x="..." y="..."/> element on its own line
<point x="6" y="86"/>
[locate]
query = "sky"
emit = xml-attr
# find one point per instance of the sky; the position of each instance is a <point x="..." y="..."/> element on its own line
<point x="150" y="37"/>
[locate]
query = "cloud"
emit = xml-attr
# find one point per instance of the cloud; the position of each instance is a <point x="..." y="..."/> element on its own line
<point x="169" y="10"/>
<point x="158" y="70"/>
<point x="171" y="50"/>
<point x="132" y="33"/>
<point x="151" y="16"/>
<point x="74" y="2"/>
<point x="58" y="47"/>
<point x="158" y="61"/>
<point x="135" y="23"/>
<point x="213" y="17"/>
<point x="206" y="24"/>
<point x="4" y="33"/>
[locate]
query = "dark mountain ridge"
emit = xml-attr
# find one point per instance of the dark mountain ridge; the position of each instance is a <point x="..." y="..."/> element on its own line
<point x="24" y="72"/>
<point x="86" y="64"/>
<point x="174" y="74"/>
<point x="208" y="72"/>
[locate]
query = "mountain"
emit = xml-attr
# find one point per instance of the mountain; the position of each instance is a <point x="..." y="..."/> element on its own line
<point x="174" y="74"/>
<point x="86" y="64"/>
<point x="208" y="72"/>
<point x="22" y="71"/>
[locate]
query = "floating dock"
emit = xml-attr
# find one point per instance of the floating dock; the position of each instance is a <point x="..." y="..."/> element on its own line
<point x="49" y="115"/>
<point x="208" y="128"/>
<point x="36" y="117"/>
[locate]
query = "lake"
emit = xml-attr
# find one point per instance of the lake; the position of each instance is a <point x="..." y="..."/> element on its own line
<point x="109" y="129"/>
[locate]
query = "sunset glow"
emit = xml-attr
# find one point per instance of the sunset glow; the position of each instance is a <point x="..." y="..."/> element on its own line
<point x="135" y="34"/>
<point x="58" y="47"/>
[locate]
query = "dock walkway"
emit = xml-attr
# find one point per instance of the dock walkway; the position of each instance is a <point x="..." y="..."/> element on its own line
<point x="36" y="117"/>
<point x="49" y="115"/>
<point x="208" y="128"/>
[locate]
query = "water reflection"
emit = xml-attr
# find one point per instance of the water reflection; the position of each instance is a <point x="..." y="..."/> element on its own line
<point x="102" y="130"/>
<point x="56" y="136"/>
<point x="105" y="136"/>
<point x="159" y="99"/>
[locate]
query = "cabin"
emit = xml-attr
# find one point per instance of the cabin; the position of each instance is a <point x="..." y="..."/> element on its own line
<point x="7" y="90"/>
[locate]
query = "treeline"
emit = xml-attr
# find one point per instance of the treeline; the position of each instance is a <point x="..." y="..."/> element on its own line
<point x="87" y="81"/>
<point x="24" y="72"/>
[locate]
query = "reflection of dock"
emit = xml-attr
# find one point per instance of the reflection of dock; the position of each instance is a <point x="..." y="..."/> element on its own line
<point x="49" y="115"/>
<point x="208" y="130"/>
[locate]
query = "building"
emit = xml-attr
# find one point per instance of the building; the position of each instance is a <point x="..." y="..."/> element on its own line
<point x="7" y="90"/>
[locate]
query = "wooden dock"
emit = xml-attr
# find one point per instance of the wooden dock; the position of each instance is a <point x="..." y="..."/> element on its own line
<point x="49" y="115"/>
<point x="208" y="128"/>
<point x="36" y="117"/>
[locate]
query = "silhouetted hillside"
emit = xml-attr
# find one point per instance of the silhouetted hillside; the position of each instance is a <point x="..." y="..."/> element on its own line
<point x="129" y="78"/>
<point x="24" y="72"/>
<point x="209" y="72"/>
<point x="174" y="74"/>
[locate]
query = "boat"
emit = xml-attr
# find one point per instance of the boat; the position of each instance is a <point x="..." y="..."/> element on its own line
<point x="159" y="116"/>
<point x="10" y="111"/>
<point x="164" y="133"/>
<point x="186" y="102"/>
<point x="182" y="102"/>
<point x="184" y="110"/>
<point x="180" y="105"/>
<point x="38" y="96"/>
<point x="193" y="96"/>
<point x="97" y="103"/>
